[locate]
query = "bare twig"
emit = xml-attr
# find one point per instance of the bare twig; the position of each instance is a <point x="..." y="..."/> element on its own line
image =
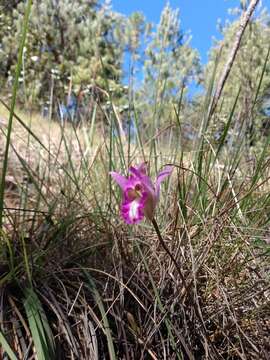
<point x="242" y="26"/>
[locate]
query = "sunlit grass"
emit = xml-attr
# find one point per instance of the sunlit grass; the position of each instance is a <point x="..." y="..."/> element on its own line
<point x="62" y="222"/>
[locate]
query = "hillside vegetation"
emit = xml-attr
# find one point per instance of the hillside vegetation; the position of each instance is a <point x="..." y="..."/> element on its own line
<point x="189" y="278"/>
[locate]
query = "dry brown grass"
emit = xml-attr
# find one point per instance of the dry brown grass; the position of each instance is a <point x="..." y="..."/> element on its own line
<point x="97" y="279"/>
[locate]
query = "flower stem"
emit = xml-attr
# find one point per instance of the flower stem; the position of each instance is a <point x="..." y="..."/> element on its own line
<point x="165" y="247"/>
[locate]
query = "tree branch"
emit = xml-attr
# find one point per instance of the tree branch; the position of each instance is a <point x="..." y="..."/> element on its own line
<point x="242" y="26"/>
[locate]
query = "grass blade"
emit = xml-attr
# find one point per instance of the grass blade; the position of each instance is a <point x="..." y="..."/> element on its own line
<point x="102" y="310"/>
<point x="13" y="101"/>
<point x="6" y="347"/>
<point x="39" y="326"/>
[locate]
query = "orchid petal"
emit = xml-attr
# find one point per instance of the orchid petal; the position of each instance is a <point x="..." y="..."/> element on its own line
<point x="142" y="168"/>
<point x="132" y="211"/>
<point x="121" y="180"/>
<point x="145" y="180"/>
<point x="135" y="172"/>
<point x="162" y="176"/>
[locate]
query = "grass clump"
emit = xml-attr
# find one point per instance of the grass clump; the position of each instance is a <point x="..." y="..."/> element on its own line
<point x="102" y="288"/>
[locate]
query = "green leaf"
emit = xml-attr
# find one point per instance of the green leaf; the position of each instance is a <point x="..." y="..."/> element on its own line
<point x="39" y="326"/>
<point x="106" y="325"/>
<point x="6" y="347"/>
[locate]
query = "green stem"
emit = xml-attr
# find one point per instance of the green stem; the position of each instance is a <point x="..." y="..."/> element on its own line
<point x="14" y="95"/>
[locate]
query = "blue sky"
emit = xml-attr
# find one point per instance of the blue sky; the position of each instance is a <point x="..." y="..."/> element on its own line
<point x="198" y="16"/>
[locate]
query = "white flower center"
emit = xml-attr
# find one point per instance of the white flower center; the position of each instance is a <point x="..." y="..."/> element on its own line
<point x="133" y="210"/>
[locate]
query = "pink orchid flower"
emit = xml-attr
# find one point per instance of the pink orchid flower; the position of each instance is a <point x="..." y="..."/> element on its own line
<point x="140" y="195"/>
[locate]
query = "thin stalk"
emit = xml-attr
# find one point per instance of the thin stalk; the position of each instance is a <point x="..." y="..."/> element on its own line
<point x="165" y="247"/>
<point x="13" y="101"/>
<point x="236" y="45"/>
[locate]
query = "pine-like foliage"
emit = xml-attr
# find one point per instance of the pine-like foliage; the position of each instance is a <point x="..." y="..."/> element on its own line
<point x="68" y="41"/>
<point x="170" y="61"/>
<point x="246" y="75"/>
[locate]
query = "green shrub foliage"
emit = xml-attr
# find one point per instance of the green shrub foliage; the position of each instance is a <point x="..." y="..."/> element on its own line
<point x="69" y="42"/>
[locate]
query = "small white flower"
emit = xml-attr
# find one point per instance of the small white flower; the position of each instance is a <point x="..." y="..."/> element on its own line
<point x="34" y="58"/>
